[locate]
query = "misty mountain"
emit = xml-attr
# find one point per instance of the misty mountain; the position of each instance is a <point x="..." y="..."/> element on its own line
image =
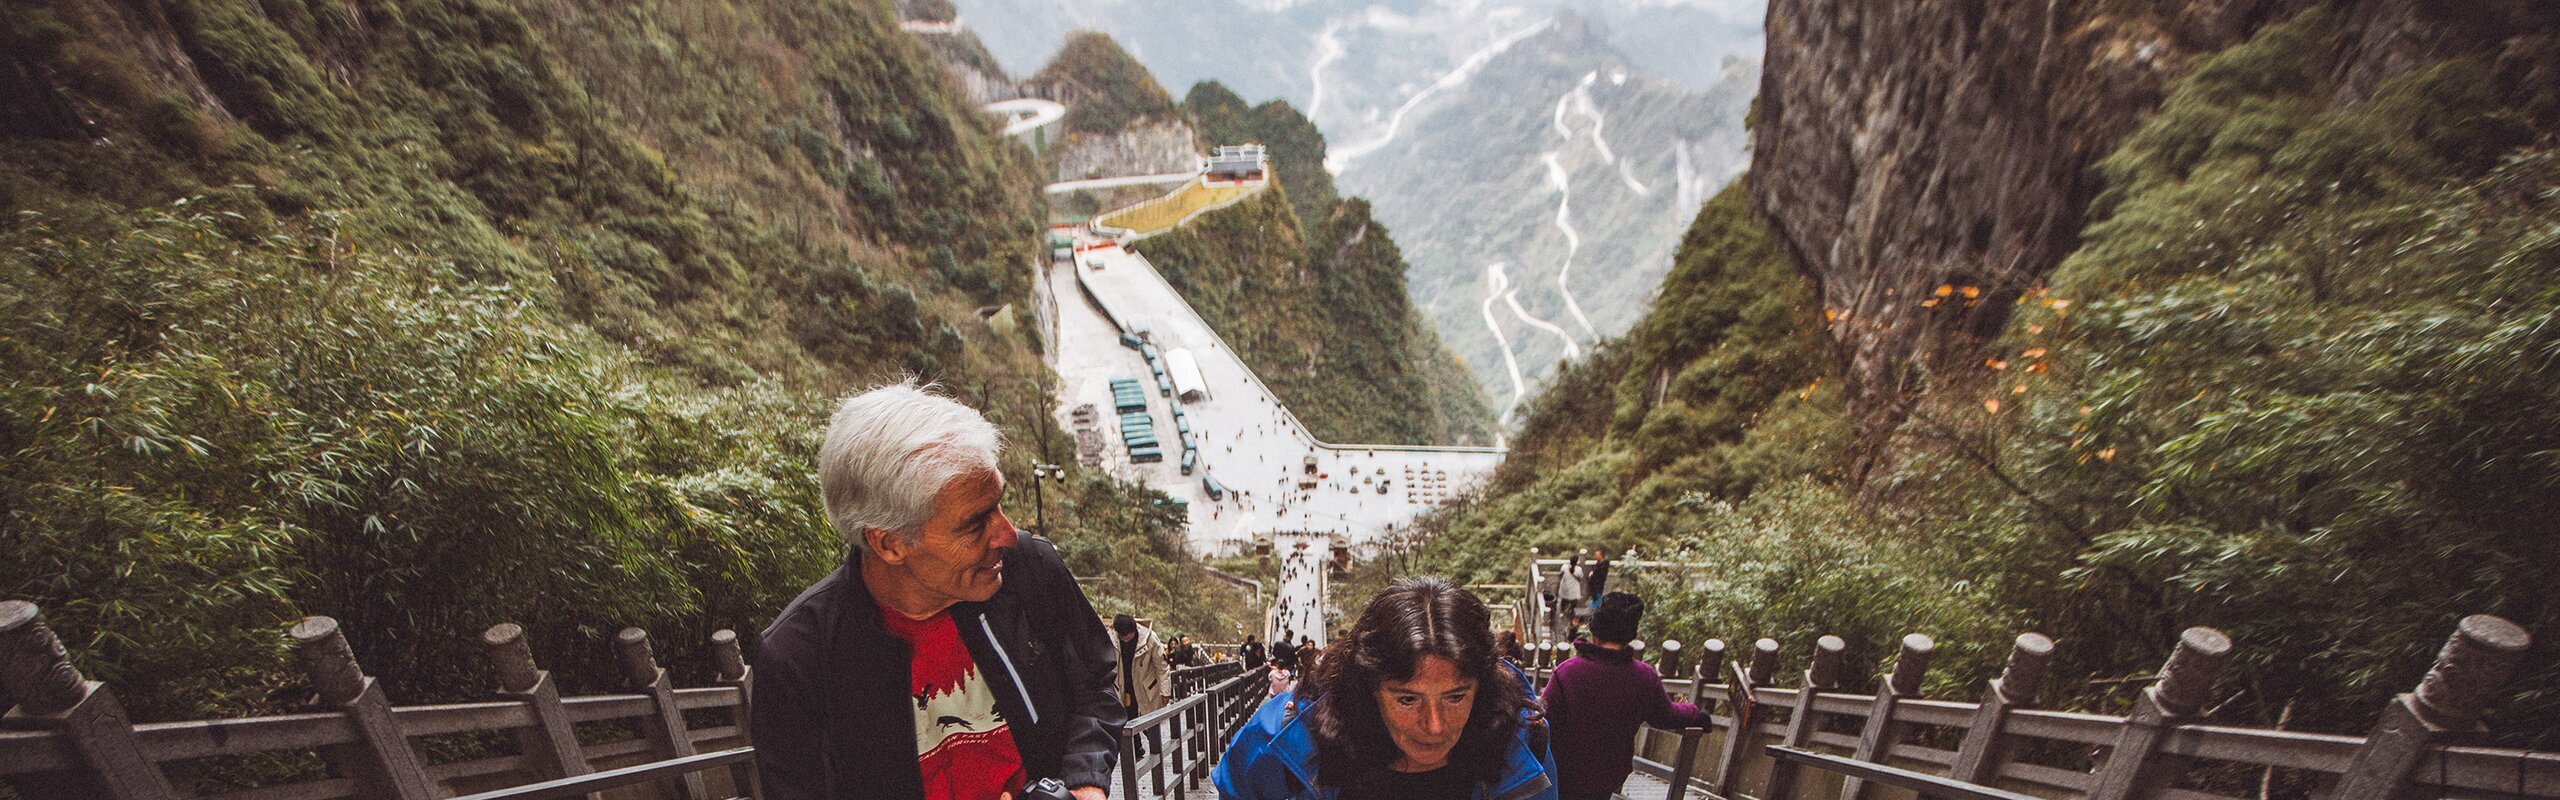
<point x="1366" y="56"/>
<point x="1539" y="201"/>
<point x="1471" y="125"/>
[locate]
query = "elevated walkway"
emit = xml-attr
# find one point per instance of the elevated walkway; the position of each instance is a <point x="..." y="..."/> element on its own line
<point x="1183" y="204"/>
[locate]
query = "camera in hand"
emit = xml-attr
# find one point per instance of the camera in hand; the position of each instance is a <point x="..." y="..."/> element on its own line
<point x="1046" y="789"/>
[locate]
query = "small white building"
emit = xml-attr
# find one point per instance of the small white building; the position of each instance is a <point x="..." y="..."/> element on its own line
<point x="1239" y="163"/>
<point x="1185" y="371"/>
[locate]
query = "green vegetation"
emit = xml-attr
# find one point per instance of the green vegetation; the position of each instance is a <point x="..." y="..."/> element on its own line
<point x="1105" y="90"/>
<point x="447" y="312"/>
<point x="1296" y="147"/>
<point x="1131" y="537"/>
<point x="1310" y="290"/>
<point x="1324" y="320"/>
<point x="2297" y="384"/>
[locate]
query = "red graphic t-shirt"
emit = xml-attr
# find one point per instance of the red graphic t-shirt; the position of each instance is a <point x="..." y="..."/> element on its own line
<point x="962" y="743"/>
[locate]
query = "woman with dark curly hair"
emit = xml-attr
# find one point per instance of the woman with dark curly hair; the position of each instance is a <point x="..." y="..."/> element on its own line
<point x="1413" y="704"/>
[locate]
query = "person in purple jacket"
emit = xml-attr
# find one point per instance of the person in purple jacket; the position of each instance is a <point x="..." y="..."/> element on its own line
<point x="1599" y="696"/>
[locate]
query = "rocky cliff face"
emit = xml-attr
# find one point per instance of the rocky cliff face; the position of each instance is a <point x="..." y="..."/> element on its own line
<point x="1149" y="148"/>
<point x="1928" y="161"/>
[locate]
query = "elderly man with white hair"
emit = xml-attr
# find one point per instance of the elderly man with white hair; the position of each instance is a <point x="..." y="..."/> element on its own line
<point x="949" y="657"/>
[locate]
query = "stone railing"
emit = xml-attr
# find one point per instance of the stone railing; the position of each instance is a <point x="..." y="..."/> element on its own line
<point x="2418" y="746"/>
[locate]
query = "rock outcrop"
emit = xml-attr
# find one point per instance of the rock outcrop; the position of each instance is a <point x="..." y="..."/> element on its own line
<point x="1147" y="148"/>
<point x="1903" y="147"/>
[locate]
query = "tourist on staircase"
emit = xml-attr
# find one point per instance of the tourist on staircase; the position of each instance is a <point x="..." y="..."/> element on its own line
<point x="1251" y="652"/>
<point x="1599" y="578"/>
<point x="1597" y="698"/>
<point x="947" y="657"/>
<point x="1412" y="704"/>
<point x="1284" y="653"/>
<point x="1569" y="586"/>
<point x="1143" y="687"/>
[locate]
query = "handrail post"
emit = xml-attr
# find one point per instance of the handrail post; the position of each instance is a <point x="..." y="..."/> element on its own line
<point x="735" y="672"/>
<point x="1128" y="761"/>
<point x="1682" y="762"/>
<point x="2133" y="767"/>
<point x="1978" y="758"/>
<point x="388" y="767"/>
<point x="1709" y="662"/>
<point x="640" y="667"/>
<point x="1709" y="665"/>
<point x="551" y="743"/>
<point x="52" y="695"/>
<point x="1740" y="740"/>
<point x="1882" y="732"/>
<point x="2474" y="662"/>
<point x="1822" y="676"/>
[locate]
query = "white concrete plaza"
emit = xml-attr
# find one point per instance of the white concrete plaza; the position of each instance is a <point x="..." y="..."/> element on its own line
<point x="1248" y="442"/>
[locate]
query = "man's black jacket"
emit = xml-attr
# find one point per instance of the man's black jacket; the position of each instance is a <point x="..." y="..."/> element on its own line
<point x="832" y="716"/>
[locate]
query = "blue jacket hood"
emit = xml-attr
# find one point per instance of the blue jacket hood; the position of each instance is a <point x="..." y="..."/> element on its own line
<point x="1273" y="757"/>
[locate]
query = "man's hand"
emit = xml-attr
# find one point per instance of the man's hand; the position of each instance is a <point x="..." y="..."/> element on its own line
<point x="1089" y="793"/>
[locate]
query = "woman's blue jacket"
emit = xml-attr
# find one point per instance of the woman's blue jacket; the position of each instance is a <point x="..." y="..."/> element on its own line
<point x="1274" y="758"/>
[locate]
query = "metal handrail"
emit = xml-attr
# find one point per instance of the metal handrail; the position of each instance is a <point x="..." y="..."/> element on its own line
<point x="616" y="778"/>
<point x="1924" y="783"/>
<point x="1188" y="735"/>
<point x="1201" y="723"/>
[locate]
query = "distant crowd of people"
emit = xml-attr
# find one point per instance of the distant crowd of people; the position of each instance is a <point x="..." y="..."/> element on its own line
<point x="950" y="657"/>
<point x="1572" y="595"/>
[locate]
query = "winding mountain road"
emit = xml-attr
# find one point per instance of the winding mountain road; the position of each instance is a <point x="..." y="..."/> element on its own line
<point x="1341" y="158"/>
<point x="1572" y="240"/>
<point x="1025" y="113"/>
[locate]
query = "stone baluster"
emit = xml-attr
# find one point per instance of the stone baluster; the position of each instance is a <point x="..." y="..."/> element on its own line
<point x="380" y="756"/>
<point x="51" y="695"/>
<point x="1979" y="757"/>
<point x="2446" y="706"/>
<point x="1821" y="677"/>
<point x="734" y="672"/>
<point x="1709" y="667"/>
<point x="666" y="727"/>
<point x="2134" y="767"/>
<point x="551" y="743"/>
<point x="1882" y="731"/>
<point x="1764" y="661"/>
<point x="1745" y="735"/>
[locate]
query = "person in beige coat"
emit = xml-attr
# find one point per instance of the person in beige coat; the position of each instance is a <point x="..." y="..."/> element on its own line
<point x="1142" y="683"/>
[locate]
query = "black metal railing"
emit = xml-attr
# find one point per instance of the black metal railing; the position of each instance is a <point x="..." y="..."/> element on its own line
<point x="1173" y="748"/>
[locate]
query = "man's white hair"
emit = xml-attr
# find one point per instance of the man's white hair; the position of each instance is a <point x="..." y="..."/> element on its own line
<point x="890" y="450"/>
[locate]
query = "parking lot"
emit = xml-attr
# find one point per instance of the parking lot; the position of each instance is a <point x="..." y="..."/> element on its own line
<point x="1247" y="441"/>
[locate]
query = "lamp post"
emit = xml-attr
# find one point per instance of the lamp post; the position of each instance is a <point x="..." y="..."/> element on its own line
<point x="1043" y="473"/>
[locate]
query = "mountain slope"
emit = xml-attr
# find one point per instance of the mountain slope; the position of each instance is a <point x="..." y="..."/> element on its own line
<point x="2293" y="382"/>
<point x="1541" y="199"/>
<point x="1318" y="309"/>
<point x="428" y="315"/>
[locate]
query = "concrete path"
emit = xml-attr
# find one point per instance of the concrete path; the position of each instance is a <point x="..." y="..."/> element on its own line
<point x="1025" y="113"/>
<point x="1300" y="609"/>
<point x="1249" y="443"/>
<point x="1063" y="187"/>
